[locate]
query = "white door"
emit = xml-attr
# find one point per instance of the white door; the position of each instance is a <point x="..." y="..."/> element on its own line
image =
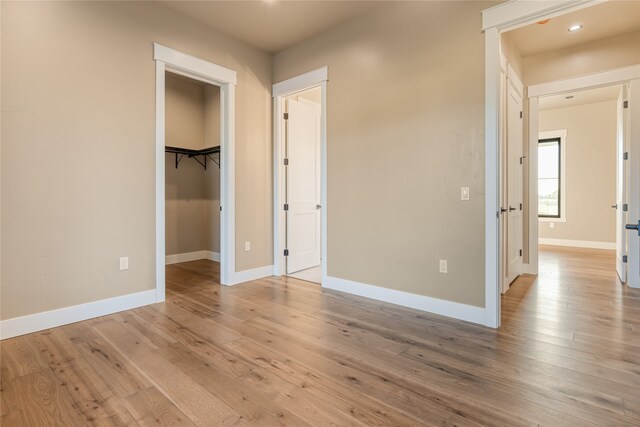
<point x="302" y="185"/>
<point x="503" y="182"/>
<point x="621" y="184"/>
<point x="514" y="184"/>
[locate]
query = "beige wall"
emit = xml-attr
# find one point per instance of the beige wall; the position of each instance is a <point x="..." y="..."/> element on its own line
<point x="212" y="116"/>
<point x="184" y="112"/>
<point x="405" y="132"/>
<point x="78" y="120"/>
<point x="590" y="171"/>
<point x="192" y="206"/>
<point x="601" y="55"/>
<point x="511" y="52"/>
<point x="185" y="218"/>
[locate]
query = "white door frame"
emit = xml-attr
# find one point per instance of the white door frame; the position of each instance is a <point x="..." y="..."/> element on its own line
<point x="501" y="18"/>
<point x="605" y="78"/>
<point x="316" y="78"/>
<point x="171" y="60"/>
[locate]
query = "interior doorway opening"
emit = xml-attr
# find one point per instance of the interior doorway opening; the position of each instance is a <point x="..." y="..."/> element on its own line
<point x="547" y="61"/>
<point x="582" y="177"/>
<point x="192" y="184"/>
<point x="300" y="176"/>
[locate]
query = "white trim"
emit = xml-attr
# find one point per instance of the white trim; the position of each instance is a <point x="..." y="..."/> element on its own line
<point x="577" y="243"/>
<point x="605" y="78"/>
<point x="253" y="274"/>
<point x="493" y="263"/>
<point x="160" y="177"/>
<point x="193" y="67"/>
<point x="168" y="59"/>
<point x="192" y="256"/>
<point x="50" y="319"/>
<point x="515" y="81"/>
<point x="455" y="310"/>
<point x="532" y="266"/>
<point x="518" y="13"/>
<point x="302" y="82"/>
<point x="633" y="215"/>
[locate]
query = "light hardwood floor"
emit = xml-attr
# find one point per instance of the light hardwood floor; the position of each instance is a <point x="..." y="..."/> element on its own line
<point x="285" y="352"/>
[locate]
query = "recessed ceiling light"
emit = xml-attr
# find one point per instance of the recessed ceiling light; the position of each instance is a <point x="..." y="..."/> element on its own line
<point x="574" y="28"/>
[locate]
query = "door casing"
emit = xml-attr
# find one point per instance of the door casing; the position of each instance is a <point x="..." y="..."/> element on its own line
<point x="495" y="20"/>
<point x="315" y="78"/>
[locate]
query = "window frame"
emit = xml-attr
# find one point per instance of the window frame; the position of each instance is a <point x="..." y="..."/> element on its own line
<point x="560" y="136"/>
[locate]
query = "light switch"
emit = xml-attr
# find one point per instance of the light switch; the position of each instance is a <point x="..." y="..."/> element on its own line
<point x="124" y="263"/>
<point x="464" y="193"/>
<point x="247" y="246"/>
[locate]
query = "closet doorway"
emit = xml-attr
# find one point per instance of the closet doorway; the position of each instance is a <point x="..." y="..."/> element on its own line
<point x="192" y="184"/>
<point x="176" y="62"/>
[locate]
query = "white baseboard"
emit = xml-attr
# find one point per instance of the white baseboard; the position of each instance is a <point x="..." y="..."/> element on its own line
<point x="192" y="256"/>
<point x="420" y="302"/>
<point x="577" y="243"/>
<point x="50" y="319"/>
<point x="529" y="269"/>
<point x="248" y="275"/>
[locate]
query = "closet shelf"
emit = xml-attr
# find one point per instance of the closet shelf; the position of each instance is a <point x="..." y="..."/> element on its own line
<point x="194" y="154"/>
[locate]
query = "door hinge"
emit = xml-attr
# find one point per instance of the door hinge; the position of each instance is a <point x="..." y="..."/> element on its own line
<point x="286" y="206"/>
<point x="286" y="162"/>
<point x="624" y="258"/>
<point x="220" y="208"/>
<point x="520" y="114"/>
<point x="625" y="104"/>
<point x="625" y="207"/>
<point x="286" y="116"/>
<point x="520" y="252"/>
<point x="286" y="252"/>
<point x="625" y="156"/>
<point x="520" y="206"/>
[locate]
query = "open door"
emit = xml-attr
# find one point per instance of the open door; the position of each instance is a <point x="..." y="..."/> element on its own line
<point x="514" y="184"/>
<point x="303" y="219"/>
<point x="622" y="180"/>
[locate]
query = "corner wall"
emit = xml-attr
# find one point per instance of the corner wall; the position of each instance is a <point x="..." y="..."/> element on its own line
<point x="405" y="131"/>
<point x="78" y="148"/>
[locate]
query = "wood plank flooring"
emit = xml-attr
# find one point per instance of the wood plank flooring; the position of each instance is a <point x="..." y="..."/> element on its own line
<point x="286" y="352"/>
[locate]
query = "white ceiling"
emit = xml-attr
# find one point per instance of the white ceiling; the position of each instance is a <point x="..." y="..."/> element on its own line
<point x="611" y="18"/>
<point x="589" y="96"/>
<point x="272" y="25"/>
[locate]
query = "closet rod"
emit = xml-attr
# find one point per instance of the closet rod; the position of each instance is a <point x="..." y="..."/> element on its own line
<point x="205" y="153"/>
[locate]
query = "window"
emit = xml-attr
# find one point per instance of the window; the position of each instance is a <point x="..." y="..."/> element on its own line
<point x="549" y="201"/>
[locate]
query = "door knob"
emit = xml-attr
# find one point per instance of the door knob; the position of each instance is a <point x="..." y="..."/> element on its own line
<point x="615" y="206"/>
<point x="633" y="227"/>
<point x="318" y="206"/>
<point x="511" y="209"/>
<point x="502" y="210"/>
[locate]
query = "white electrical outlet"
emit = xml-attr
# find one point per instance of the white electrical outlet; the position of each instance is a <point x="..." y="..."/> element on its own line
<point x="124" y="263"/>
<point x="443" y="266"/>
<point x="247" y="246"/>
<point x="464" y="193"/>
